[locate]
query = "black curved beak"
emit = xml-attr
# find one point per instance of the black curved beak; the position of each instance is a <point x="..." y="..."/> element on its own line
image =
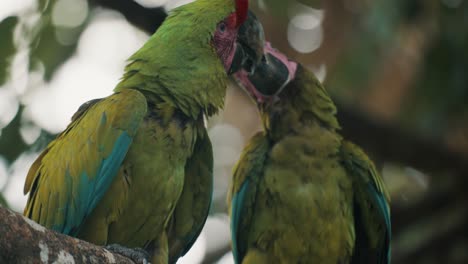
<point x="274" y="72"/>
<point x="249" y="45"/>
<point x="270" y="76"/>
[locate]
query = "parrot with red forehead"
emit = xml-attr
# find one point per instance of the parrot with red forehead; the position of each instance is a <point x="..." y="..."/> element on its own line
<point x="135" y="169"/>
<point x="301" y="193"/>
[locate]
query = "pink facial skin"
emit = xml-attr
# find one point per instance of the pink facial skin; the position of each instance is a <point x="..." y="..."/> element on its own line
<point x="242" y="78"/>
<point x="242" y="75"/>
<point x="224" y="40"/>
<point x="291" y="65"/>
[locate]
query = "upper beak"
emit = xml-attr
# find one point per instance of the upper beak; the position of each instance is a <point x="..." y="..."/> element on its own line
<point x="249" y="45"/>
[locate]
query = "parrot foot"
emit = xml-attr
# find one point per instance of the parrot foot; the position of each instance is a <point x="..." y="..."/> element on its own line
<point x="138" y="255"/>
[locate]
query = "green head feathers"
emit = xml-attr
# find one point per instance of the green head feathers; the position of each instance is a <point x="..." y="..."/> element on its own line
<point x="179" y="64"/>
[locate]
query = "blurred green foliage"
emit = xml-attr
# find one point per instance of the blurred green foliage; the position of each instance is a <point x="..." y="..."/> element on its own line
<point x="7" y="47"/>
<point x="11" y="142"/>
<point x="45" y="52"/>
<point x="441" y="91"/>
<point x="45" y="47"/>
<point x="3" y="202"/>
<point x="374" y="34"/>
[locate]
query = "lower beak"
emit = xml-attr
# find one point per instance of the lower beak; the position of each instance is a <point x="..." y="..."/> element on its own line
<point x="249" y="46"/>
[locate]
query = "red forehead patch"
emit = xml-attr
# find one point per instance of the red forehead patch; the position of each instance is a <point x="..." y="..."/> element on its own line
<point x="242" y="7"/>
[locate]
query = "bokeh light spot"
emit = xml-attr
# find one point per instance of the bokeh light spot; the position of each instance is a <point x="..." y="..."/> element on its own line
<point x="305" y="33"/>
<point x="17" y="173"/>
<point x="69" y="13"/>
<point x="8" y="106"/>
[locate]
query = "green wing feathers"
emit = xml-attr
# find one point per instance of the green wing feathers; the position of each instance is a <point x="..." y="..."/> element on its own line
<point x="372" y="211"/>
<point x="72" y="174"/>
<point x="194" y="203"/>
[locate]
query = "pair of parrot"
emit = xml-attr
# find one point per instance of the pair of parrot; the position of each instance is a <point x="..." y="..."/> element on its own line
<point x="300" y="193"/>
<point x="135" y="169"/>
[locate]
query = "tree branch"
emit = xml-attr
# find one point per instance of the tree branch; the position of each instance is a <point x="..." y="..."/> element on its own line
<point x="146" y="19"/>
<point x="24" y="241"/>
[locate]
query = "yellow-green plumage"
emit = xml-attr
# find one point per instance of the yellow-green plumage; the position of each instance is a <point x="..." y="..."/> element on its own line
<point x="302" y="194"/>
<point x="54" y="179"/>
<point x="135" y="168"/>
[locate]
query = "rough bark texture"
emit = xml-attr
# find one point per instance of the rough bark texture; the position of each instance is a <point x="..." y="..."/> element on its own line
<point x="24" y="241"/>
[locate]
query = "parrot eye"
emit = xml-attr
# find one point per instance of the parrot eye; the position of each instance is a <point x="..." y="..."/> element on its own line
<point x="222" y="27"/>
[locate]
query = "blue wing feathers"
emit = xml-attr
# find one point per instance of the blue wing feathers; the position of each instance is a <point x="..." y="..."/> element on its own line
<point x="384" y="210"/>
<point x="110" y="166"/>
<point x="237" y="205"/>
<point x="92" y="188"/>
<point x="72" y="175"/>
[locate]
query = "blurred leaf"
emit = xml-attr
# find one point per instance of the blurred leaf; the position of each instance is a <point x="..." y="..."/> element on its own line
<point x="349" y="79"/>
<point x="50" y="52"/>
<point x="383" y="19"/>
<point x="374" y="35"/>
<point x="7" y="48"/>
<point x="3" y="202"/>
<point x="11" y="143"/>
<point x="44" y="4"/>
<point x="441" y="90"/>
<point x="45" y="48"/>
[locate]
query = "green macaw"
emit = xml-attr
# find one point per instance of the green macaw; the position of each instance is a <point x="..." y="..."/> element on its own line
<point x="300" y="193"/>
<point x="135" y="168"/>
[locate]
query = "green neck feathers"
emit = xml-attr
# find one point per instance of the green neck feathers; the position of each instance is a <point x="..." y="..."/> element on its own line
<point x="303" y="103"/>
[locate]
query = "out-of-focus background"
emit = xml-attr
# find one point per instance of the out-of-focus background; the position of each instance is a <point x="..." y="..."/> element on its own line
<point x="396" y="69"/>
